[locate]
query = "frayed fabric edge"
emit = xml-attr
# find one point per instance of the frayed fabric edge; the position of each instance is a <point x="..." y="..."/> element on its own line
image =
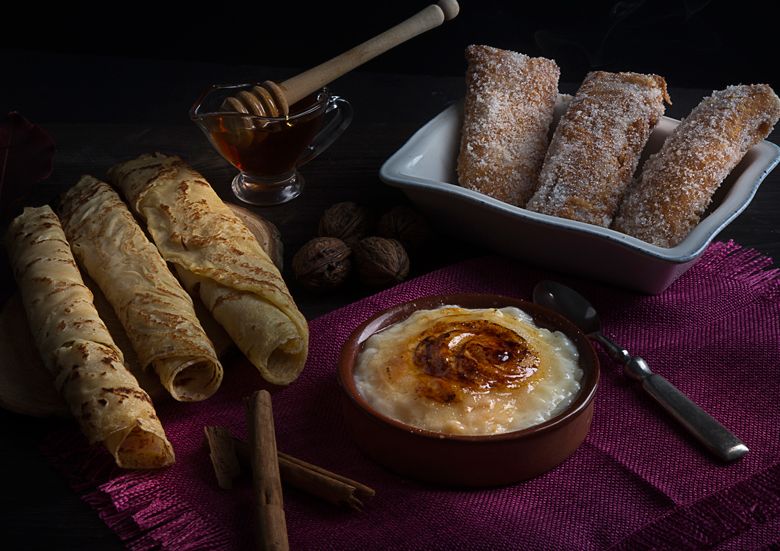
<point x="144" y="514"/>
<point x="713" y="520"/>
<point x="743" y="264"/>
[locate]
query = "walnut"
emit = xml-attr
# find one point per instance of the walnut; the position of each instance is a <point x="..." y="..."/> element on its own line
<point x="381" y="261"/>
<point x="322" y="263"/>
<point x="407" y="226"/>
<point x="348" y="221"/>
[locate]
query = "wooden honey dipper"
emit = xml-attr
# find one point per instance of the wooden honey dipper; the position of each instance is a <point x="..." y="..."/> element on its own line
<point x="273" y="100"/>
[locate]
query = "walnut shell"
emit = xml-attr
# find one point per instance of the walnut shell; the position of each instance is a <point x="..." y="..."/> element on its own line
<point x="381" y="261"/>
<point x="407" y="226"/>
<point x="348" y="221"/>
<point x="322" y="263"/>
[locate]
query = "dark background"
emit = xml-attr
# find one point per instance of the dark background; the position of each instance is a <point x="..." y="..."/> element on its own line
<point x="114" y="79"/>
<point x="693" y="43"/>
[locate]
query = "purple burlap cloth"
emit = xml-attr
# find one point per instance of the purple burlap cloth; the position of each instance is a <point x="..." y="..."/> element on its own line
<point x="636" y="482"/>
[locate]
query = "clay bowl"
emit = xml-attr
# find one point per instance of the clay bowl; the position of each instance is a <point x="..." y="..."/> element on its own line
<point x="467" y="461"/>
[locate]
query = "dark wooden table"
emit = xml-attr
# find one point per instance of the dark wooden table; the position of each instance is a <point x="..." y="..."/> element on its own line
<point x="102" y="110"/>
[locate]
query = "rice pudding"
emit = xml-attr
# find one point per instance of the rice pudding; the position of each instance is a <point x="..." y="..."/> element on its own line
<point x="466" y="371"/>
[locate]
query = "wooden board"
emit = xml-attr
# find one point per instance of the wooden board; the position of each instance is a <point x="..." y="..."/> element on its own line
<point x="26" y="386"/>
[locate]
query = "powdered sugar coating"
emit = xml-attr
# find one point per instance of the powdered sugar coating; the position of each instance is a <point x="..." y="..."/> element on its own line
<point x="677" y="183"/>
<point x="508" y="109"/>
<point x="597" y="144"/>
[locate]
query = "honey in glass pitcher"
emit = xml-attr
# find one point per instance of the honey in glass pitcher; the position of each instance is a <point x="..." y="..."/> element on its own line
<point x="266" y="147"/>
<point x="267" y="151"/>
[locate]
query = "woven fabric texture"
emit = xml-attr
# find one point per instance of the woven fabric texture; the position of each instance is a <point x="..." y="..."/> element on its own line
<point x="637" y="482"/>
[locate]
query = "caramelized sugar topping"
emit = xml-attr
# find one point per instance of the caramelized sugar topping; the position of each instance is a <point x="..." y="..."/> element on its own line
<point x="474" y="356"/>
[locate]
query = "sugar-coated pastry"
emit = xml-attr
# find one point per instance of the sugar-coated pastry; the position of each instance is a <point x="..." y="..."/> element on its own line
<point x="677" y="183"/>
<point x="508" y="109"/>
<point x="597" y="144"/>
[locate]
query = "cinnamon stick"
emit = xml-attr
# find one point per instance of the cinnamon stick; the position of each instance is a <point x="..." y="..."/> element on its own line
<point x="315" y="480"/>
<point x="312" y="479"/>
<point x="295" y="468"/>
<point x="270" y="525"/>
<point x="222" y="451"/>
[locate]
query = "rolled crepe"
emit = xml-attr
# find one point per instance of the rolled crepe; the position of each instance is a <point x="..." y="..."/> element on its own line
<point x="76" y="347"/>
<point x="156" y="313"/>
<point x="218" y="259"/>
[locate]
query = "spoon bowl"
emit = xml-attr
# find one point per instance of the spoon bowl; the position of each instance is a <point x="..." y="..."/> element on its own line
<point x="570" y="303"/>
<point x="579" y="311"/>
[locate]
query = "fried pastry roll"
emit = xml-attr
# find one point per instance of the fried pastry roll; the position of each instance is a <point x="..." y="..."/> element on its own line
<point x="677" y="183"/>
<point x="219" y="260"/>
<point x="597" y="144"/>
<point x="76" y="348"/>
<point x="156" y="312"/>
<point x="508" y="109"/>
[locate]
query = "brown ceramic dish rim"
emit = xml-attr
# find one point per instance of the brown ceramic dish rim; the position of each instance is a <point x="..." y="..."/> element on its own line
<point x="354" y="345"/>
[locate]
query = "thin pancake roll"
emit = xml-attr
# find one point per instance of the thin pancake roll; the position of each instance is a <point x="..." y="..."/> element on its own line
<point x="76" y="347"/>
<point x="219" y="260"/>
<point x="156" y="313"/>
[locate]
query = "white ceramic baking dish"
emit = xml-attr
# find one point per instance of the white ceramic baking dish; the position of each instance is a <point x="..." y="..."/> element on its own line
<point x="424" y="169"/>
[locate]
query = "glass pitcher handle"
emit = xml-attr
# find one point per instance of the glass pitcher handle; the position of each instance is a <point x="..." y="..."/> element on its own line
<point x="338" y="115"/>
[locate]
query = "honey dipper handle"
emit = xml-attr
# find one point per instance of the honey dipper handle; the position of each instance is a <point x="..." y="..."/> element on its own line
<point x="300" y="86"/>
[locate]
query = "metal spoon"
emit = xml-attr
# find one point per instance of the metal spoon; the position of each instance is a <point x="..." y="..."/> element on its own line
<point x="714" y="436"/>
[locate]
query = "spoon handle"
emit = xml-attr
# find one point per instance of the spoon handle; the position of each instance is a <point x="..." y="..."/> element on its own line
<point x="714" y="436"/>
